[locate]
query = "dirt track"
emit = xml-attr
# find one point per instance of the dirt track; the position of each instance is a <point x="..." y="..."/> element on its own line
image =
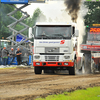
<point x="23" y="84"/>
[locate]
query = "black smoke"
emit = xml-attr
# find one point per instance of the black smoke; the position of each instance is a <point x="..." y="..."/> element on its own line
<point x="73" y="6"/>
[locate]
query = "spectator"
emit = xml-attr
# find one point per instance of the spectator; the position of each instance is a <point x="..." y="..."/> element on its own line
<point x="4" y="56"/>
<point x="12" y="55"/>
<point x="0" y="56"/>
<point x="18" y="54"/>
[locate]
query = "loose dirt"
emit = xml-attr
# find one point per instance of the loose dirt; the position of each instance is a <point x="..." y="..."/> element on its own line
<point x="23" y="84"/>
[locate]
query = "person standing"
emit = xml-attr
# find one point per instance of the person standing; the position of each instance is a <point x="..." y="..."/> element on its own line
<point x="18" y="54"/>
<point x="0" y="56"/>
<point x="12" y="55"/>
<point x="4" y="56"/>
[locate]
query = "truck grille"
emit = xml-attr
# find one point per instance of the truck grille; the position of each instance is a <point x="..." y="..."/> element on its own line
<point x="51" y="49"/>
<point x="51" y="58"/>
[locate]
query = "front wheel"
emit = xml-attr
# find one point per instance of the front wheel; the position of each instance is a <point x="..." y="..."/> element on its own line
<point x="72" y="69"/>
<point x="37" y="70"/>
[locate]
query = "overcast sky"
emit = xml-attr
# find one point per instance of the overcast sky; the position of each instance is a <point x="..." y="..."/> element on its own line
<point x="45" y="7"/>
<point x="52" y="9"/>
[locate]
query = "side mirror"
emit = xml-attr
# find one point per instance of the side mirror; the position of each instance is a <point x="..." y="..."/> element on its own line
<point x="33" y="35"/>
<point x="76" y="33"/>
<point x="30" y="33"/>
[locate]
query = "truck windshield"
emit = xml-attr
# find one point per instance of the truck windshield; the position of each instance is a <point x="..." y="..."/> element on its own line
<point x="53" y="32"/>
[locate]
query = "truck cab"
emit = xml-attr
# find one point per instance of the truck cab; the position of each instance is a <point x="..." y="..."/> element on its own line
<point x="54" y="47"/>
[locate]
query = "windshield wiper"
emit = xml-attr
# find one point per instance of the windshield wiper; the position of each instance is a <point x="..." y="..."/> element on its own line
<point x="59" y="35"/>
<point x="64" y="37"/>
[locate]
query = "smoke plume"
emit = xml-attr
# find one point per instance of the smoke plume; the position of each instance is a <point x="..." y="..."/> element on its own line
<point x="73" y="6"/>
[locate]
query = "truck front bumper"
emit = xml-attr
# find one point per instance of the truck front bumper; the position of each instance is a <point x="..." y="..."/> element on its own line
<point x="54" y="64"/>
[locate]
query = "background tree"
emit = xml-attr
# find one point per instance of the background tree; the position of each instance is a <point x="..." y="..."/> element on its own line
<point x="93" y="15"/>
<point x="50" y="20"/>
<point x="5" y="20"/>
<point x="37" y="16"/>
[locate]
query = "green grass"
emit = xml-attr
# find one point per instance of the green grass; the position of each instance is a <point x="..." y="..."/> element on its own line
<point x="88" y="94"/>
<point x="91" y="0"/>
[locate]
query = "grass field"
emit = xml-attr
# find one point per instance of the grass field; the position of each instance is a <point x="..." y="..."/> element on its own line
<point x="88" y="94"/>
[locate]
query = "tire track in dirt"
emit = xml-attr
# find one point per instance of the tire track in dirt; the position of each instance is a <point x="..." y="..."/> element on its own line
<point x="23" y="84"/>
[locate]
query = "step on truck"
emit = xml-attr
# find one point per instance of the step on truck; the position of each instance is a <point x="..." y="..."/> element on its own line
<point x="91" y="51"/>
<point x="54" y="47"/>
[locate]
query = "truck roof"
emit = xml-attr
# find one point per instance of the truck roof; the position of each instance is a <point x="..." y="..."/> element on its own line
<point x="56" y="23"/>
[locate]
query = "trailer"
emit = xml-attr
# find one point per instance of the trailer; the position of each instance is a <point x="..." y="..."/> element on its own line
<point x="91" y="50"/>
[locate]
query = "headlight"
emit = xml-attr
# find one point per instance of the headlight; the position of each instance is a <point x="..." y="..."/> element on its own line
<point x="65" y="63"/>
<point x="36" y="57"/>
<point x="66" y="57"/>
<point x="37" y="63"/>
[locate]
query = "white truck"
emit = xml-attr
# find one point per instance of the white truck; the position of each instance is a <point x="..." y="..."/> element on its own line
<point x="54" y="47"/>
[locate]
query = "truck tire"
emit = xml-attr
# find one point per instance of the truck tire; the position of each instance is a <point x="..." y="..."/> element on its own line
<point x="37" y="70"/>
<point x="99" y="67"/>
<point x="86" y="64"/>
<point x="72" y="69"/>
